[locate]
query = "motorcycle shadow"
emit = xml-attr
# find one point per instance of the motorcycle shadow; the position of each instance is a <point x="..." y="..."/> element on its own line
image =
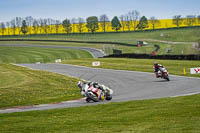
<point x="162" y="81"/>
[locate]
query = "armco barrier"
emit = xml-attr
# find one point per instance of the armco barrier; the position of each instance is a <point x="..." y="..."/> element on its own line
<point x="149" y="56"/>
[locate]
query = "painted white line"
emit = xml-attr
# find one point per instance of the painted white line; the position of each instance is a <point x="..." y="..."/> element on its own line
<point x="74" y="101"/>
<point x="42" y="105"/>
<point x="189" y="94"/>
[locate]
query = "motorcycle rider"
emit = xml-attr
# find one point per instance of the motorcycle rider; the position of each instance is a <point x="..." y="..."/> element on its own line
<point x="83" y="90"/>
<point x="158" y="69"/>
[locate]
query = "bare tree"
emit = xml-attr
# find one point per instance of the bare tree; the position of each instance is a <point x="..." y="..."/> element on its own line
<point x="50" y="23"/>
<point x="57" y="25"/>
<point x="45" y="27"/>
<point x="8" y="27"/>
<point x="154" y="22"/>
<point x="123" y="21"/>
<point x="134" y="17"/>
<point x="104" y="21"/>
<point x="190" y="20"/>
<point x="128" y="21"/>
<point x="198" y="19"/>
<point x="73" y="22"/>
<point x="13" y="25"/>
<point x="41" y="24"/>
<point x="29" y="23"/>
<point x="177" y="20"/>
<point x="35" y="26"/>
<point x="81" y="22"/>
<point x="3" y="28"/>
<point x="19" y="23"/>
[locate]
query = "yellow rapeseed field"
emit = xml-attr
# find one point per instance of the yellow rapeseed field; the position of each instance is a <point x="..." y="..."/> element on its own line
<point x="51" y="29"/>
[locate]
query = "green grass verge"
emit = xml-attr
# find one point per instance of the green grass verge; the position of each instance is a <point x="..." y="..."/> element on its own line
<point x="21" y="86"/>
<point x="43" y="55"/>
<point x="145" y="65"/>
<point x="168" y="115"/>
<point x="180" y="35"/>
<point x="107" y="48"/>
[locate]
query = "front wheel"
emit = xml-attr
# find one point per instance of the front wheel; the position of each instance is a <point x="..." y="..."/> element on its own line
<point x="167" y="77"/>
<point x="108" y="97"/>
<point x="92" y="97"/>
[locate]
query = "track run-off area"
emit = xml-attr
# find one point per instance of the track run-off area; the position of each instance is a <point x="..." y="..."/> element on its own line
<point x="127" y="85"/>
<point x="96" y="53"/>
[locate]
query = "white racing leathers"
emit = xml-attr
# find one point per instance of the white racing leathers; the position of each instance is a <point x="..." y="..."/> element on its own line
<point x="102" y="87"/>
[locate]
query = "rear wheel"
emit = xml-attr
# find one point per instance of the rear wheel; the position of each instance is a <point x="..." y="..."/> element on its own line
<point x="88" y="99"/>
<point x="92" y="97"/>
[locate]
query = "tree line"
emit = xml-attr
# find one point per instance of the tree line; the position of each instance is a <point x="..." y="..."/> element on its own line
<point x="130" y="21"/>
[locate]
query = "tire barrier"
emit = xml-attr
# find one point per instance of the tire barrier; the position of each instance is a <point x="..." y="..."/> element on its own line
<point x="150" y="56"/>
<point x="95" y="42"/>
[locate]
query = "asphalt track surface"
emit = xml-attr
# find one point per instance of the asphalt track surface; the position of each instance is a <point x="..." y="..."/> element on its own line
<point x="96" y="53"/>
<point x="127" y="85"/>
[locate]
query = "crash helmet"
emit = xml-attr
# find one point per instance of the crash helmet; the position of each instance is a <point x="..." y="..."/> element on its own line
<point x="155" y="63"/>
<point x="79" y="84"/>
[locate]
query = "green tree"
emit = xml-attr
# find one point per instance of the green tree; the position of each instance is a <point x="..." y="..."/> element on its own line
<point x="24" y="28"/>
<point x="116" y="25"/>
<point x="143" y="23"/>
<point x="67" y="25"/>
<point x="92" y="23"/>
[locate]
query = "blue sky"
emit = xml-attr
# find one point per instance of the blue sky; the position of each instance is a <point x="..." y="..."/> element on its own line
<point x="61" y="9"/>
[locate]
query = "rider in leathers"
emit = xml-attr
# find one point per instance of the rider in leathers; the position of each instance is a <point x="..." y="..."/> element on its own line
<point x="157" y="69"/>
<point x="95" y="85"/>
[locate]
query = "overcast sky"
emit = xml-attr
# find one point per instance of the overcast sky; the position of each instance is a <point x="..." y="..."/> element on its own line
<point x="61" y="9"/>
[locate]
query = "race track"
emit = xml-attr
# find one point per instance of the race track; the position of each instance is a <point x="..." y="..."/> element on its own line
<point x="127" y="85"/>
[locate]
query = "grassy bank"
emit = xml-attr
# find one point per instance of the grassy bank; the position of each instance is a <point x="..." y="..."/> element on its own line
<point x="180" y="35"/>
<point x="180" y="115"/>
<point x="107" y="48"/>
<point x="21" y="86"/>
<point x="43" y="55"/>
<point x="187" y="36"/>
<point x="145" y="65"/>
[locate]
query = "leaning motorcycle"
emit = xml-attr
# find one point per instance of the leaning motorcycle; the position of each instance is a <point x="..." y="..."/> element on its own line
<point x="164" y="74"/>
<point x="95" y="94"/>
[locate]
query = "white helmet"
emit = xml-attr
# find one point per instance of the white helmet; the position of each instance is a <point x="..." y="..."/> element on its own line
<point x="79" y="84"/>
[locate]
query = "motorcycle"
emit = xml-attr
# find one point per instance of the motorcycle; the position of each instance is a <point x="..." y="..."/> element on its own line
<point x="94" y="93"/>
<point x="163" y="73"/>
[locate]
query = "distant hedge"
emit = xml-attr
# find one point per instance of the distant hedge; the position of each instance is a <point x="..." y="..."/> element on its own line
<point x="150" y="56"/>
<point x="96" y="42"/>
